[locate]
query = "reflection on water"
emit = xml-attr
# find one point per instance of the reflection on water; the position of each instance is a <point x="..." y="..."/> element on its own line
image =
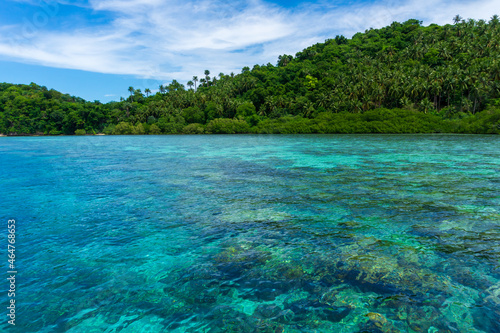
<point x="256" y="233"/>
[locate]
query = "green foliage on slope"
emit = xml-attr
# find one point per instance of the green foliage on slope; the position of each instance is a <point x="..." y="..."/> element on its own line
<point x="403" y="78"/>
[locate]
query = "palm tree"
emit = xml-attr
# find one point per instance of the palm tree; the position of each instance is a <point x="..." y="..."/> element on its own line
<point x="190" y="84"/>
<point x="207" y="76"/>
<point x="494" y="20"/>
<point x="162" y="89"/>
<point x="131" y="90"/>
<point x="195" y="79"/>
<point x="147" y="91"/>
<point x="426" y="105"/>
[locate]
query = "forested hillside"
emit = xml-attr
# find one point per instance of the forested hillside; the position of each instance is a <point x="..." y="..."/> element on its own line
<point x="404" y="78"/>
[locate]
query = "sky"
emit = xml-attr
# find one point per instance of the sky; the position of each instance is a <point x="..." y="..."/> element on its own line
<point x="96" y="49"/>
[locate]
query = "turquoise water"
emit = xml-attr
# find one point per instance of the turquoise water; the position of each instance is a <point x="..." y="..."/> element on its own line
<point x="250" y="233"/>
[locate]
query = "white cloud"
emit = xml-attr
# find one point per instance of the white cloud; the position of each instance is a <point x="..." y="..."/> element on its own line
<point x="166" y="39"/>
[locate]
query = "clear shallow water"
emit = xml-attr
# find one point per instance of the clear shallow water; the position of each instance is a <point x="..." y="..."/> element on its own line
<point x="254" y="233"/>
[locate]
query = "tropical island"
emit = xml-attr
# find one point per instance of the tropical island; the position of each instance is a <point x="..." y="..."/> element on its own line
<point x="403" y="78"/>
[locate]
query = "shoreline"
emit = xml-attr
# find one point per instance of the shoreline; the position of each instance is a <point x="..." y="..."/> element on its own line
<point x="226" y="134"/>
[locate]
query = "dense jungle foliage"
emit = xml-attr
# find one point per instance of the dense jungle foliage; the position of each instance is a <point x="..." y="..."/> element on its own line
<point x="404" y="78"/>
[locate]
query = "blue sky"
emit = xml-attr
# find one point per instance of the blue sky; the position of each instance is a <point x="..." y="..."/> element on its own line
<point x="96" y="49"/>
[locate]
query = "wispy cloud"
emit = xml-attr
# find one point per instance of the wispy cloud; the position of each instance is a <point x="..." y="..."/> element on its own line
<point x="166" y="39"/>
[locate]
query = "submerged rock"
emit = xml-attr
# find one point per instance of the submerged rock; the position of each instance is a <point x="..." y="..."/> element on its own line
<point x="235" y="261"/>
<point x="487" y="313"/>
<point x="374" y="270"/>
<point x="420" y="318"/>
<point x="305" y="309"/>
<point x="334" y="314"/>
<point x="267" y="311"/>
<point x="379" y="323"/>
<point x="286" y="316"/>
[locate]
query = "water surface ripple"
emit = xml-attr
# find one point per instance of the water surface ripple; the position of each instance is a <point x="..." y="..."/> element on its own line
<point x="302" y="233"/>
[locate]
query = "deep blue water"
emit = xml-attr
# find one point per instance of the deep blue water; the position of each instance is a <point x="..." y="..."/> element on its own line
<point x="303" y="233"/>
